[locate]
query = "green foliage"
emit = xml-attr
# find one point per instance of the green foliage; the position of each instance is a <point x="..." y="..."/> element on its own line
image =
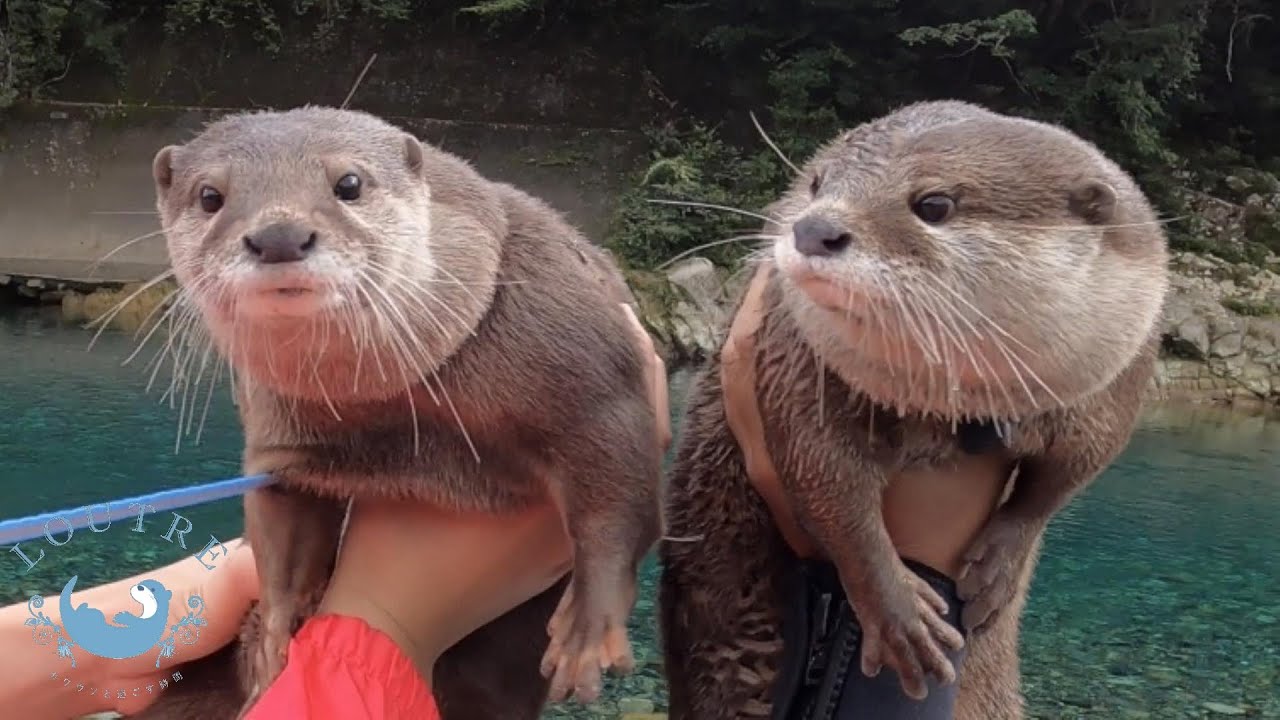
<point x="694" y="165"/>
<point x="265" y="21"/>
<point x="40" y="39"/>
<point x="989" y="34"/>
<point x="1249" y="308"/>
<point x="1179" y="92"/>
<point x="495" y="9"/>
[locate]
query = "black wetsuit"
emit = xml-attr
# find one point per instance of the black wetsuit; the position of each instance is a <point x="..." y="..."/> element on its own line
<point x="821" y="677"/>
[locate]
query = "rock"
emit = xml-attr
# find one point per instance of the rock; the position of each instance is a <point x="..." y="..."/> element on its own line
<point x="5" y="279"/>
<point x="635" y="706"/>
<point x="643" y="716"/>
<point x="73" y="307"/>
<point x="142" y="306"/>
<point x="1228" y="345"/>
<point x="36" y="283"/>
<point x="1223" y="709"/>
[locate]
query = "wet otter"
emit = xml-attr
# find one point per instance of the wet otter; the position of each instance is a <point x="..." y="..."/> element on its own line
<point x="941" y="264"/>
<point x="401" y="326"/>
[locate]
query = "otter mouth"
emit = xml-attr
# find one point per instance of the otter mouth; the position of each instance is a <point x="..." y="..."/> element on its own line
<point x="289" y="291"/>
<point x="292" y="295"/>
<point x="831" y="295"/>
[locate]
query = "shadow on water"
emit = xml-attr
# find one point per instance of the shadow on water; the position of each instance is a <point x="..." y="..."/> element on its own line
<point x="1156" y="596"/>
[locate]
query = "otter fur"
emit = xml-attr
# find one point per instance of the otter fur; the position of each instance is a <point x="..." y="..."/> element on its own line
<point x="401" y="327"/>
<point x="940" y="264"/>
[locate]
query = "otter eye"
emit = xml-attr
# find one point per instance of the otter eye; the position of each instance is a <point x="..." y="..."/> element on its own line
<point x="210" y="200"/>
<point x="934" y="209"/>
<point x="348" y="188"/>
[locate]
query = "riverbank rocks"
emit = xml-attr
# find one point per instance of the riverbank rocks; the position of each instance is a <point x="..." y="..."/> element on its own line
<point x="1221" y="330"/>
<point x="685" y="307"/>
<point x="127" y="308"/>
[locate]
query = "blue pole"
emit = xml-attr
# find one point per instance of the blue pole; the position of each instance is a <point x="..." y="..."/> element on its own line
<point x="33" y="526"/>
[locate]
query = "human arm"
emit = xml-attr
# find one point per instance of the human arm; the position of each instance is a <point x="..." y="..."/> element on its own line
<point x="30" y="689"/>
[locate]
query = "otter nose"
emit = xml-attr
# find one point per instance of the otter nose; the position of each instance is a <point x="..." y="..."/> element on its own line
<point x="280" y="242"/>
<point x="819" y="237"/>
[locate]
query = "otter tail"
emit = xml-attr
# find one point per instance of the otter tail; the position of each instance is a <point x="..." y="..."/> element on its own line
<point x="64" y="600"/>
<point x="81" y="619"/>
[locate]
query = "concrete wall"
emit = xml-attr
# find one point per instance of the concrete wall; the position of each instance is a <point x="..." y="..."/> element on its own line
<point x="77" y="182"/>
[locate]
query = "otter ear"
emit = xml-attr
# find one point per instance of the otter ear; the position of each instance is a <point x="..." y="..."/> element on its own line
<point x="414" y="156"/>
<point x="162" y="168"/>
<point x="1093" y="200"/>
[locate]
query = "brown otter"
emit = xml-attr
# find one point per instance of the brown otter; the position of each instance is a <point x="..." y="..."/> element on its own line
<point x="939" y="264"/>
<point x="400" y="326"/>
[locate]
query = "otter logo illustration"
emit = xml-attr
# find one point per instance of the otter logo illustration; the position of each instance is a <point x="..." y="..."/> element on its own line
<point x="128" y="635"/>
<point x="131" y="635"/>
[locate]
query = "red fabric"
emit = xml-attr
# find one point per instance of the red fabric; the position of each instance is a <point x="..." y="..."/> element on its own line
<point x="340" y="668"/>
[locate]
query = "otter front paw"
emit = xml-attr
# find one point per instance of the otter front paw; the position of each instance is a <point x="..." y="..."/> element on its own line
<point x="904" y="626"/>
<point x="993" y="564"/>
<point x="588" y="634"/>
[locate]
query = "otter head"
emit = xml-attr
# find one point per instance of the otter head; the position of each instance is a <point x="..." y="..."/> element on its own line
<point x="329" y="254"/>
<point x="951" y="261"/>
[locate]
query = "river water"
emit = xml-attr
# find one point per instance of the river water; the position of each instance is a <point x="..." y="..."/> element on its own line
<point x="1158" y="594"/>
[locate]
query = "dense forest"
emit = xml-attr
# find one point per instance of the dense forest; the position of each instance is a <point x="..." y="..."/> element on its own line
<point x="1184" y="93"/>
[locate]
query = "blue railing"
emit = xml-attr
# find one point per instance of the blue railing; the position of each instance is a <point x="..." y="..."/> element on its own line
<point x="79" y="517"/>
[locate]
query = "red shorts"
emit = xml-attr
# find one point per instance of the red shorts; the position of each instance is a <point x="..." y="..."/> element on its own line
<point x="340" y="668"/>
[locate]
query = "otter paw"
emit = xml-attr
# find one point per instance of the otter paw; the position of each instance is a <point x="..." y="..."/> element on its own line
<point x="907" y="630"/>
<point x="988" y="581"/>
<point x="586" y="639"/>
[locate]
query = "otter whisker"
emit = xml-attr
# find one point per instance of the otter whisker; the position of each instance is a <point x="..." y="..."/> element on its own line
<point x="179" y="327"/>
<point x="105" y="319"/>
<point x="717" y="243"/>
<point x="375" y="310"/>
<point x="412" y="284"/>
<point x="167" y="304"/>
<point x="907" y="311"/>
<point x="1013" y="356"/>
<point x="208" y="400"/>
<point x="994" y="325"/>
<point x="976" y="359"/>
<point x="195" y="386"/>
<point x="771" y="144"/>
<point x="713" y="206"/>
<point x="315" y="373"/>
<point x="956" y="341"/>
<point x="408" y="330"/>
<point x="457" y="417"/>
<point x="94" y="265"/>
<point x="380" y="315"/>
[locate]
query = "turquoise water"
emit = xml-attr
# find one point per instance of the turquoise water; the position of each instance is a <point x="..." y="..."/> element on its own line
<point x="1158" y="595"/>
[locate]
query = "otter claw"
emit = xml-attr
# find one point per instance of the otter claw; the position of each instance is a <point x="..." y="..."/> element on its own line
<point x="583" y="644"/>
<point x="988" y="581"/>
<point x="909" y="634"/>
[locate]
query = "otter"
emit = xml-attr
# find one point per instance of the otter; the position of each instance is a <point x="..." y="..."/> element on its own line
<point x="400" y="326"/>
<point x="941" y="265"/>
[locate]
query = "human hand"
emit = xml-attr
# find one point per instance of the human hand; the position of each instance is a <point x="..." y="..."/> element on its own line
<point x="228" y="591"/>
